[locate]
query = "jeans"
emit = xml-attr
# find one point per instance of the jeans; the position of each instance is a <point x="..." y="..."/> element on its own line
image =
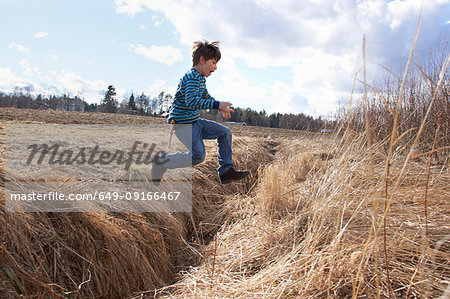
<point x="192" y="137"/>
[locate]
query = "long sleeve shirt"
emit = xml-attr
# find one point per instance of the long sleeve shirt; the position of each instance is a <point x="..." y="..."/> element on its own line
<point x="190" y="97"/>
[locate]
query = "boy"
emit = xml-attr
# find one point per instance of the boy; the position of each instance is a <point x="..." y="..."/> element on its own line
<point x="190" y="97"/>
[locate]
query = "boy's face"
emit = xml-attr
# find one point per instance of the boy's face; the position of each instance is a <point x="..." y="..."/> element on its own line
<point x="206" y="67"/>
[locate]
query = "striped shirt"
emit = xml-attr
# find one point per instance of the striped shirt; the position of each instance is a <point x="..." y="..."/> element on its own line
<point x="190" y="97"/>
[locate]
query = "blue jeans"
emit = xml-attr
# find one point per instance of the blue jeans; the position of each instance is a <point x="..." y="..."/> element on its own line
<point x="201" y="129"/>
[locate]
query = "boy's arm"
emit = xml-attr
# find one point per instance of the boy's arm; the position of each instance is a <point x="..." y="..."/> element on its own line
<point x="194" y="100"/>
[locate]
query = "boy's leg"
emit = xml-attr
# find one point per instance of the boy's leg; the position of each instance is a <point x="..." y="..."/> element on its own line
<point x="190" y="136"/>
<point x="213" y="130"/>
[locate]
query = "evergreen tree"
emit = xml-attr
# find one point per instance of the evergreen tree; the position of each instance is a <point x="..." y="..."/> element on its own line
<point x="275" y="120"/>
<point x="132" y="103"/>
<point x="110" y="103"/>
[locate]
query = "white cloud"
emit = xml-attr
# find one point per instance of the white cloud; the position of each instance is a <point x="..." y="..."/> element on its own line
<point x="9" y="81"/>
<point x="55" y="83"/>
<point x="164" y="54"/>
<point x="156" y="21"/>
<point x="283" y="94"/>
<point x="159" y="86"/>
<point x="320" y="40"/>
<point x="69" y="82"/>
<point x="51" y="57"/>
<point x="20" y="48"/>
<point x="27" y="70"/>
<point x="232" y="79"/>
<point x="141" y="27"/>
<point x="128" y="7"/>
<point x="278" y="97"/>
<point x="41" y="34"/>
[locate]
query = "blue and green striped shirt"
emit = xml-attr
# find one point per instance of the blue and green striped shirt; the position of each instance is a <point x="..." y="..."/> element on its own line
<point x="190" y="97"/>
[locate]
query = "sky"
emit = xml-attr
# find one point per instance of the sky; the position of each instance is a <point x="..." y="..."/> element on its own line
<point x="287" y="56"/>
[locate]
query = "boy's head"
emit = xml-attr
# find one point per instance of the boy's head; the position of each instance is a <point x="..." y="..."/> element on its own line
<point x="206" y="49"/>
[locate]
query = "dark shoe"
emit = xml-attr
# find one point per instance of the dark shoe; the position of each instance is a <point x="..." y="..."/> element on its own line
<point x="157" y="173"/>
<point x="232" y="175"/>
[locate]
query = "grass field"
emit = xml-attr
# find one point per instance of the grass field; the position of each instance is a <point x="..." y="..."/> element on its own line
<point x="318" y="218"/>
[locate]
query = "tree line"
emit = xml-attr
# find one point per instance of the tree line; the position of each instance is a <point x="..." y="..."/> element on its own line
<point x="251" y="117"/>
<point x="140" y="105"/>
<point x="157" y="106"/>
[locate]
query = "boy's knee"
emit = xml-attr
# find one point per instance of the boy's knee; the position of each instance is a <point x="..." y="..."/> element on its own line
<point x="226" y="132"/>
<point x="198" y="158"/>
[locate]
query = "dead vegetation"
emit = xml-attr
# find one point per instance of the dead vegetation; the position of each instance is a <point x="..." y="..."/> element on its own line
<point x="366" y="218"/>
<point x="111" y="255"/>
<point x="314" y="229"/>
<point x="322" y="217"/>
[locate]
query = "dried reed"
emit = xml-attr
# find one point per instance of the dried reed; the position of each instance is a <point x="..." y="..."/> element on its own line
<point x="113" y="255"/>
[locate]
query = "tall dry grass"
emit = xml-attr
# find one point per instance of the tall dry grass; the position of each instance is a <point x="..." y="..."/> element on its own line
<point x="409" y="95"/>
<point x="112" y="255"/>
<point x="314" y="229"/>
<point x="367" y="218"/>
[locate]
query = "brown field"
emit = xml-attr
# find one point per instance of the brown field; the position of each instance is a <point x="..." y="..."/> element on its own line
<point x="318" y="218"/>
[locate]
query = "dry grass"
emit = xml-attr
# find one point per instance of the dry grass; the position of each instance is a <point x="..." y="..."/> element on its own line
<point x="111" y="255"/>
<point x="405" y="101"/>
<point x="313" y="230"/>
<point x="308" y="224"/>
<point x="358" y="225"/>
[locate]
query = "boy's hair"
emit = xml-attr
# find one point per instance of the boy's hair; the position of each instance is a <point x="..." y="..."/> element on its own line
<point x="206" y="49"/>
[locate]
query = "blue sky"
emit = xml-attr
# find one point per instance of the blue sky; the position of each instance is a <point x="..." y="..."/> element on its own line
<point x="285" y="56"/>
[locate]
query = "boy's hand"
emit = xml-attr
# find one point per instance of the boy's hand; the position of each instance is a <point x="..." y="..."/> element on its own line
<point x="225" y="108"/>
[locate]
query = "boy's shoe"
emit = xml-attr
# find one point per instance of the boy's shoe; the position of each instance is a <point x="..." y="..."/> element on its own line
<point x="232" y="175"/>
<point x="157" y="173"/>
